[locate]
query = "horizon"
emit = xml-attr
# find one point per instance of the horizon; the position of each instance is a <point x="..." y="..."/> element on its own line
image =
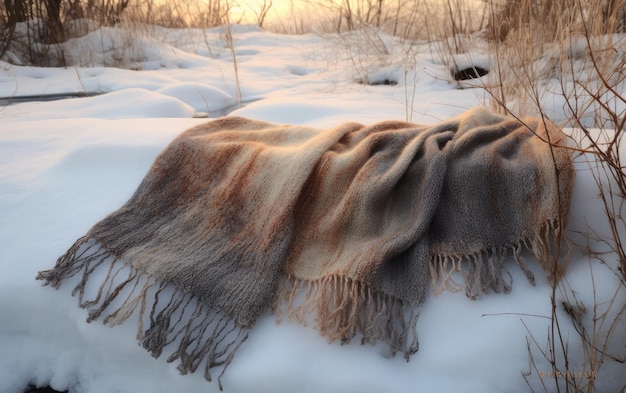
<point x="282" y="13"/>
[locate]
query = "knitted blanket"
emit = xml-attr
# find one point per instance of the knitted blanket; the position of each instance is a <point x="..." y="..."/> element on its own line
<point x="239" y="217"/>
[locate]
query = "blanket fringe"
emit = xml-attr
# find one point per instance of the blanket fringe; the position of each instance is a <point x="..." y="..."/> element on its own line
<point x="486" y="271"/>
<point x="344" y="308"/>
<point x="178" y="320"/>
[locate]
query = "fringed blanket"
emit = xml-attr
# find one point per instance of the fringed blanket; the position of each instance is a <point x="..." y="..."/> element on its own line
<point x="237" y="217"/>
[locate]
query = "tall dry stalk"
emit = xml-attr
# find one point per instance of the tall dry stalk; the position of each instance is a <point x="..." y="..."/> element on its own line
<point x="571" y="42"/>
<point x="228" y="33"/>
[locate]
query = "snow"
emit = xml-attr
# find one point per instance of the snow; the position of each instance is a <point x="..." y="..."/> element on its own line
<point x="65" y="164"/>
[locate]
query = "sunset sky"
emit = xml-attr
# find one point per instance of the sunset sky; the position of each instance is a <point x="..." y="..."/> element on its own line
<point x="247" y="11"/>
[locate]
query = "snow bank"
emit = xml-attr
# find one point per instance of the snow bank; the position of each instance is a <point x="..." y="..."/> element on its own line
<point x="66" y="164"/>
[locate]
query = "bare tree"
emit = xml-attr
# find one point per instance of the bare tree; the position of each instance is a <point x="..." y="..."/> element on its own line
<point x="16" y="10"/>
<point x="53" y="26"/>
<point x="379" y="12"/>
<point x="263" y="11"/>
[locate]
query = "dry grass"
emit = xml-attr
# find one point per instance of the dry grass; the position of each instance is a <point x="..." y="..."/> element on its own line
<point x="573" y="43"/>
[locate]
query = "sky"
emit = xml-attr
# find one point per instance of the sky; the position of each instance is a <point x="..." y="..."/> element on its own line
<point x="248" y="9"/>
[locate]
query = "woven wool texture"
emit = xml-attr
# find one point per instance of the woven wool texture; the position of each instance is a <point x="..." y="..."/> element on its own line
<point x="236" y="217"/>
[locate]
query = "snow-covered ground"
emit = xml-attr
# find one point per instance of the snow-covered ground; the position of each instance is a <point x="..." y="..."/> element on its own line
<point x="65" y="164"/>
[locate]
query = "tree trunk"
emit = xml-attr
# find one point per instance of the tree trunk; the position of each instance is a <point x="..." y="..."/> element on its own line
<point x="379" y="11"/>
<point x="54" y="27"/>
<point x="17" y="11"/>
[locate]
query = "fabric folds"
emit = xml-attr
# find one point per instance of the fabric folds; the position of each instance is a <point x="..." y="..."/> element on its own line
<point x="352" y="225"/>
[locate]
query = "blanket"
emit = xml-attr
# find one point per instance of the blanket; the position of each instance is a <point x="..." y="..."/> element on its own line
<point x="352" y="224"/>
